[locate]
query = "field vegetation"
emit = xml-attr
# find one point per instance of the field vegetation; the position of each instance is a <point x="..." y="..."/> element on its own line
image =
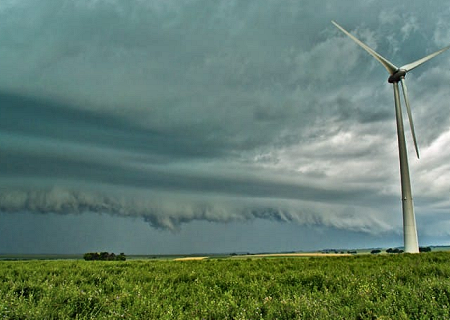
<point x="352" y="287"/>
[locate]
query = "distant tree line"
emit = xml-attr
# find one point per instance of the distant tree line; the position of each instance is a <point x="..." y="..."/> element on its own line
<point x="377" y="251"/>
<point x="338" y="251"/>
<point x="104" y="256"/>
<point x="397" y="250"/>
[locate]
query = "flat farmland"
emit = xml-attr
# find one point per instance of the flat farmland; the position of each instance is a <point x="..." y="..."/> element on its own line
<point x="347" y="287"/>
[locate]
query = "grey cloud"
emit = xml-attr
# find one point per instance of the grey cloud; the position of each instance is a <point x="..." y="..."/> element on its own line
<point x="261" y="102"/>
<point x="23" y="115"/>
<point x="170" y="215"/>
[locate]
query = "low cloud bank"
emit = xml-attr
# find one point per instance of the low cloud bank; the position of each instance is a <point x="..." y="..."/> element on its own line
<point x="169" y="212"/>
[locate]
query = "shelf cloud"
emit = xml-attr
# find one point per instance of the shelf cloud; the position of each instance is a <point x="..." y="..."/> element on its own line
<point x="180" y="111"/>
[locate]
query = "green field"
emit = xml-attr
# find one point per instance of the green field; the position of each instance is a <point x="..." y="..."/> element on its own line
<point x="355" y="287"/>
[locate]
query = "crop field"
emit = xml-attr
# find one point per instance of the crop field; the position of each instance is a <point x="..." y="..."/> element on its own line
<point x="350" y="287"/>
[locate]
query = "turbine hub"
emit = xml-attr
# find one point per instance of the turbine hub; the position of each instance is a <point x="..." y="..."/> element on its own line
<point x="397" y="76"/>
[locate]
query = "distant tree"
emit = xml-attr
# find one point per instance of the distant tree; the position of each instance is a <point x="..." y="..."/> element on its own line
<point x="90" y="256"/>
<point x="396" y="250"/>
<point x="121" y="257"/>
<point x="104" y="256"/>
<point x="375" y="251"/>
<point x="424" y="249"/>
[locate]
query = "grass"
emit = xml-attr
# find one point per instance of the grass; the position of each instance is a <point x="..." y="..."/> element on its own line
<point x="355" y="287"/>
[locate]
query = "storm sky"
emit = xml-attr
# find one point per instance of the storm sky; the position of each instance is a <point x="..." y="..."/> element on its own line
<point x="181" y="126"/>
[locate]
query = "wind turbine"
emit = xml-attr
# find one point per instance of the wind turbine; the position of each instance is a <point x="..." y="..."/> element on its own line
<point x="398" y="75"/>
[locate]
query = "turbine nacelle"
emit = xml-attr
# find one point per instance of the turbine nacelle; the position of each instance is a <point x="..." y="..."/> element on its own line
<point x="397" y="76"/>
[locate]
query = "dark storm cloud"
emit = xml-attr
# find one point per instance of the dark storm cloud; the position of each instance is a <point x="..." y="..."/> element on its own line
<point x="196" y="110"/>
<point x="22" y="115"/>
<point x="171" y="212"/>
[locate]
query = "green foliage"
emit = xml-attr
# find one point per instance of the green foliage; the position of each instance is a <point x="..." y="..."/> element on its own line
<point x="104" y="256"/>
<point x="396" y="250"/>
<point x="357" y="287"/>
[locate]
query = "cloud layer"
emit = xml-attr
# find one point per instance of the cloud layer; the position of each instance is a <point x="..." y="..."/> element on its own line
<point x="176" y="111"/>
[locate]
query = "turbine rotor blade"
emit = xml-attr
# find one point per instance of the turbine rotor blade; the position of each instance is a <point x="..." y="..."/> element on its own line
<point x="408" y="109"/>
<point x="390" y="67"/>
<point x="415" y="64"/>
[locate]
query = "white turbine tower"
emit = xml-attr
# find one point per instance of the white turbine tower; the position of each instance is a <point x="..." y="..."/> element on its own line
<point x="398" y="75"/>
